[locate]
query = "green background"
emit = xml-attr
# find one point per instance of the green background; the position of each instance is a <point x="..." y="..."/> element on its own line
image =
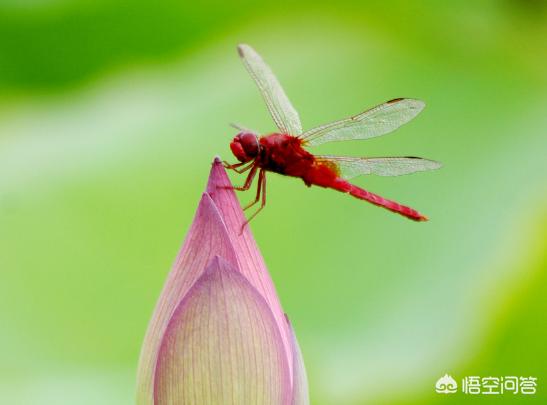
<point x="110" y="115"/>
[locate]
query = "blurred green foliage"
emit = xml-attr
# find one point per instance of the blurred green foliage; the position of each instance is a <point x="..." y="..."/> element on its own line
<point x="110" y="114"/>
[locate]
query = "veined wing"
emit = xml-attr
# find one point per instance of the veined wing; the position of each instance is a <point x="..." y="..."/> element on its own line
<point x="283" y="113"/>
<point x="377" y="121"/>
<point x="350" y="167"/>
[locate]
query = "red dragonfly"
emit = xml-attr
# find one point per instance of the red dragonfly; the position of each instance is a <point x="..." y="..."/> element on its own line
<point x="284" y="152"/>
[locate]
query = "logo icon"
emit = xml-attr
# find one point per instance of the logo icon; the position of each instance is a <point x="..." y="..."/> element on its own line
<point x="446" y="385"/>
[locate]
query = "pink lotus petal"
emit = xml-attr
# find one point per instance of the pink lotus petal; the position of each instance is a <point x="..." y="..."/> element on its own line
<point x="300" y="392"/>
<point x="207" y="238"/>
<point x="250" y="261"/>
<point x="222" y="346"/>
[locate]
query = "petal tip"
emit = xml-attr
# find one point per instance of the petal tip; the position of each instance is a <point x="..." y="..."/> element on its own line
<point x="218" y="177"/>
<point x="217" y="264"/>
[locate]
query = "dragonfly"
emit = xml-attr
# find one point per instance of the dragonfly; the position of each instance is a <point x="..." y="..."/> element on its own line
<point x="285" y="152"/>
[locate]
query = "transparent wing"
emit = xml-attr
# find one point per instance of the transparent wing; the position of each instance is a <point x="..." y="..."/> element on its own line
<point x="350" y="167"/>
<point x="377" y="121"/>
<point x="283" y="113"/>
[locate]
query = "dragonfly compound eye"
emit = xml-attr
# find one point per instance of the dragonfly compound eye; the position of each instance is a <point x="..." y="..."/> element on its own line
<point x="250" y="144"/>
<point x="245" y="146"/>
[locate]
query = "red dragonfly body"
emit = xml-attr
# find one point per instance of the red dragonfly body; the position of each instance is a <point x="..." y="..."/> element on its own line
<point x="285" y="152"/>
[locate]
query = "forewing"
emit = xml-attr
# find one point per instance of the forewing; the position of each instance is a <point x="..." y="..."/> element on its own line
<point x="377" y="121"/>
<point x="283" y="113"/>
<point x="350" y="167"/>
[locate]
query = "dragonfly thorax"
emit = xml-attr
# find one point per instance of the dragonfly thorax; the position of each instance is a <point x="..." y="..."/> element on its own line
<point x="245" y="146"/>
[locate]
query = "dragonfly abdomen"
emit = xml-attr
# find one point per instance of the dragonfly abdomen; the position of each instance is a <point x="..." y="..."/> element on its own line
<point x="362" y="194"/>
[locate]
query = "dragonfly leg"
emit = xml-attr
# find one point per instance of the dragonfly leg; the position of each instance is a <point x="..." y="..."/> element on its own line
<point x="248" y="181"/>
<point x="235" y="167"/>
<point x="262" y="205"/>
<point x="261" y="179"/>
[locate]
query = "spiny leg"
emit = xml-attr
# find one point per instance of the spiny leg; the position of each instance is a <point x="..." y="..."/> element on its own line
<point x="235" y="167"/>
<point x="248" y="181"/>
<point x="261" y="178"/>
<point x="263" y="204"/>
<point x="231" y="166"/>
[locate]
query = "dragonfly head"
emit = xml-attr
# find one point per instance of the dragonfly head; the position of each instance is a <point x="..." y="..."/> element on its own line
<point x="245" y="146"/>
